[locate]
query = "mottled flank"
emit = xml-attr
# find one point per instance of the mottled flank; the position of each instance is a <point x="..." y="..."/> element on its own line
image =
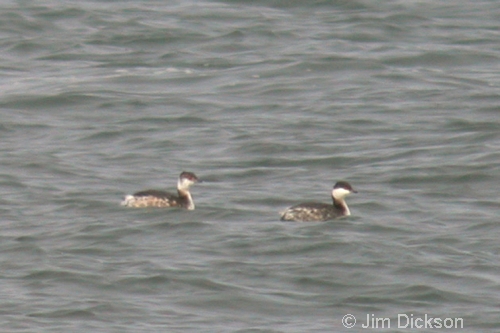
<point x="309" y="212"/>
<point x="149" y="201"/>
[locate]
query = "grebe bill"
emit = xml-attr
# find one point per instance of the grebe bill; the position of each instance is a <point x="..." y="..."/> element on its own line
<point x="317" y="212"/>
<point x="156" y="198"/>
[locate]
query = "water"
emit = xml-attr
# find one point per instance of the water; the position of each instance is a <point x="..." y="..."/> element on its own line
<point x="270" y="102"/>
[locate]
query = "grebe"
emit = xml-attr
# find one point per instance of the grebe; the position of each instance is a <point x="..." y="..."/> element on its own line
<point x="155" y="198"/>
<point x="312" y="211"/>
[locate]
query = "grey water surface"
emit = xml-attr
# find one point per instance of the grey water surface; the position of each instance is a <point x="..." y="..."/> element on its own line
<point x="270" y="103"/>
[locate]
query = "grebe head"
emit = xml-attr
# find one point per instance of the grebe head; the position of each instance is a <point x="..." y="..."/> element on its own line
<point x="341" y="190"/>
<point x="186" y="179"/>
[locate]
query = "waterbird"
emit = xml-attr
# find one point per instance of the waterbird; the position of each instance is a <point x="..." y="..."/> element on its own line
<point x="156" y="198"/>
<point x="316" y="211"/>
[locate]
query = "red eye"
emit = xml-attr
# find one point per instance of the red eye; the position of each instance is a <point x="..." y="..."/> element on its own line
<point x="189" y="176"/>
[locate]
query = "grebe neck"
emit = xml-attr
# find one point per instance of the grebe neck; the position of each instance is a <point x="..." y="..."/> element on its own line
<point x="341" y="204"/>
<point x="338" y="197"/>
<point x="185" y="196"/>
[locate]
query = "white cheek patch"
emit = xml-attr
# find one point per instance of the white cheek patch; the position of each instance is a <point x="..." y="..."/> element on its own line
<point x="340" y="193"/>
<point x="184" y="183"/>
